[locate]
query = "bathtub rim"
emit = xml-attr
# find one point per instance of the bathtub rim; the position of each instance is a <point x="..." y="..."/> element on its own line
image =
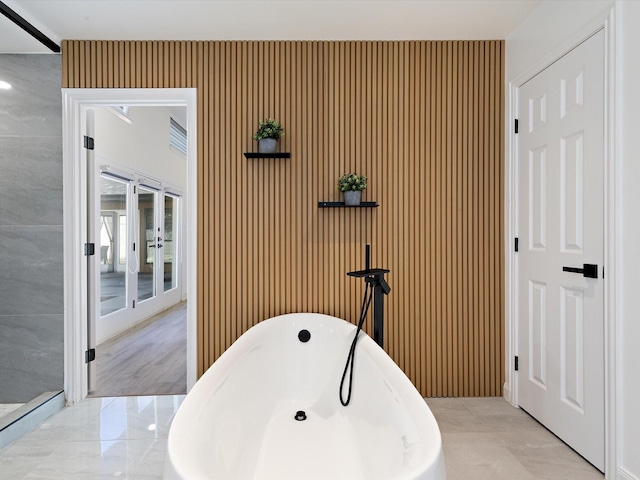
<point x="421" y="413"/>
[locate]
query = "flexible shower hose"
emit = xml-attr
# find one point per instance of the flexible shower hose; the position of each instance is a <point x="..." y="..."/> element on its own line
<point x="364" y="309"/>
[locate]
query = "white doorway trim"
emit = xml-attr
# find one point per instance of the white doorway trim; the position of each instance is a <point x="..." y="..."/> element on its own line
<point x="612" y="228"/>
<point x="75" y="103"/>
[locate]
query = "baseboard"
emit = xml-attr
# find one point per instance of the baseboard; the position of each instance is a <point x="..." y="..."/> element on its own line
<point x="29" y="416"/>
<point x="508" y="394"/>
<point x="624" y="475"/>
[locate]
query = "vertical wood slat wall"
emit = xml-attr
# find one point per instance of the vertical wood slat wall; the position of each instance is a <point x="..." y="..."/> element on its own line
<point x="422" y="119"/>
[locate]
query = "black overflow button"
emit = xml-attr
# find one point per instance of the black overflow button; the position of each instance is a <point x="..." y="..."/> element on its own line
<point x="304" y="336"/>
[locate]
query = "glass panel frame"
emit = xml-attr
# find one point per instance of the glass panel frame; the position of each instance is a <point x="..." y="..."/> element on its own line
<point x="115" y="198"/>
<point x="171" y="234"/>
<point x="147" y="271"/>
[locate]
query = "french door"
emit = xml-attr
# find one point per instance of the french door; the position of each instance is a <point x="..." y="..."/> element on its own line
<point x="137" y="250"/>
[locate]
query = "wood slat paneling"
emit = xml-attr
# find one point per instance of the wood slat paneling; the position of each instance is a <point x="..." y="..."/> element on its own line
<point x="423" y="120"/>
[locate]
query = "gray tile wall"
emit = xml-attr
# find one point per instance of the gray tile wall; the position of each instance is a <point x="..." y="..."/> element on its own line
<point x="31" y="294"/>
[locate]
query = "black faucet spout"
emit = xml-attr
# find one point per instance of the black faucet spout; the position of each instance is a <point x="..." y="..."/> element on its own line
<point x="375" y="278"/>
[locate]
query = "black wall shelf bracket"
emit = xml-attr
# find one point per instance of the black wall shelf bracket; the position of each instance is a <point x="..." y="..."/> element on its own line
<point x="267" y="155"/>
<point x="342" y="205"/>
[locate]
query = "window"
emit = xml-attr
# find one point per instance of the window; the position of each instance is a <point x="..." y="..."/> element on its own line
<point x="177" y="136"/>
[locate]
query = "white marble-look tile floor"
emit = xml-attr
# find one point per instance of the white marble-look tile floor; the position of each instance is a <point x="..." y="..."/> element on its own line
<point x="99" y="438"/>
<point x="126" y="437"/>
<point x="487" y="438"/>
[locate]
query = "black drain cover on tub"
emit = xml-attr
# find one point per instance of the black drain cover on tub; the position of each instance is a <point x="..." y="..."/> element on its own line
<point x="300" y="415"/>
<point x="304" y="336"/>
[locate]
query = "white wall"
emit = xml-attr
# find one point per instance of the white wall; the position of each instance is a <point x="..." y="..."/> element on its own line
<point x="553" y="27"/>
<point x="143" y="145"/>
<point x="628" y="104"/>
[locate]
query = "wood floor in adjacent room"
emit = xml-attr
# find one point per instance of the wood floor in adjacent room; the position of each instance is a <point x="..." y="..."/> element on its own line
<point x="148" y="359"/>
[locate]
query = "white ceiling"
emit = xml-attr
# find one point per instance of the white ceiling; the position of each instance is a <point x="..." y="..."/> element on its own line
<point x="261" y="20"/>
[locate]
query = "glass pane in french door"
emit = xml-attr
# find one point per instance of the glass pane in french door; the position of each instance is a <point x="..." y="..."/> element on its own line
<point x="147" y="253"/>
<point x="170" y="244"/>
<point x="113" y="244"/>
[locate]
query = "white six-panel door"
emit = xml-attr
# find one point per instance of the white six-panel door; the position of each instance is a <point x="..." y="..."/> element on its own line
<point x="560" y="224"/>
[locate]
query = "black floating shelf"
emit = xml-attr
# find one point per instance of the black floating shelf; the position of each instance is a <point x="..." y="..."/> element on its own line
<point x="342" y="205"/>
<point x="267" y="155"/>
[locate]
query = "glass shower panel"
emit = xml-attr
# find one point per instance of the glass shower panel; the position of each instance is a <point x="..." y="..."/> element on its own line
<point x="149" y="244"/>
<point x="170" y="244"/>
<point x="113" y="244"/>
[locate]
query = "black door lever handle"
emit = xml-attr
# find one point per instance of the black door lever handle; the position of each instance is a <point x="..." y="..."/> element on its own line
<point x="588" y="270"/>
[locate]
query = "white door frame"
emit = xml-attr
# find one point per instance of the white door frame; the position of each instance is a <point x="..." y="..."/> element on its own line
<point x="612" y="226"/>
<point x="75" y="102"/>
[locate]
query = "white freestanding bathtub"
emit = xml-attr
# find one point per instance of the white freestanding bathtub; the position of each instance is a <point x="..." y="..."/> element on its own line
<point x="239" y="421"/>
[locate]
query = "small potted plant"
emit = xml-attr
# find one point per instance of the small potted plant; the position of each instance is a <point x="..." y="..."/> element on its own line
<point x="352" y="184"/>
<point x="268" y="134"/>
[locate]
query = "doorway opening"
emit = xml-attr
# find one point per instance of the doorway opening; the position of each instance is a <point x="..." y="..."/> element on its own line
<point x="137" y="220"/>
<point x="137" y="317"/>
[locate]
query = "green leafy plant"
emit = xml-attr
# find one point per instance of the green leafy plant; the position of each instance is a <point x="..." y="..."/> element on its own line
<point x="352" y="182"/>
<point x="270" y="128"/>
